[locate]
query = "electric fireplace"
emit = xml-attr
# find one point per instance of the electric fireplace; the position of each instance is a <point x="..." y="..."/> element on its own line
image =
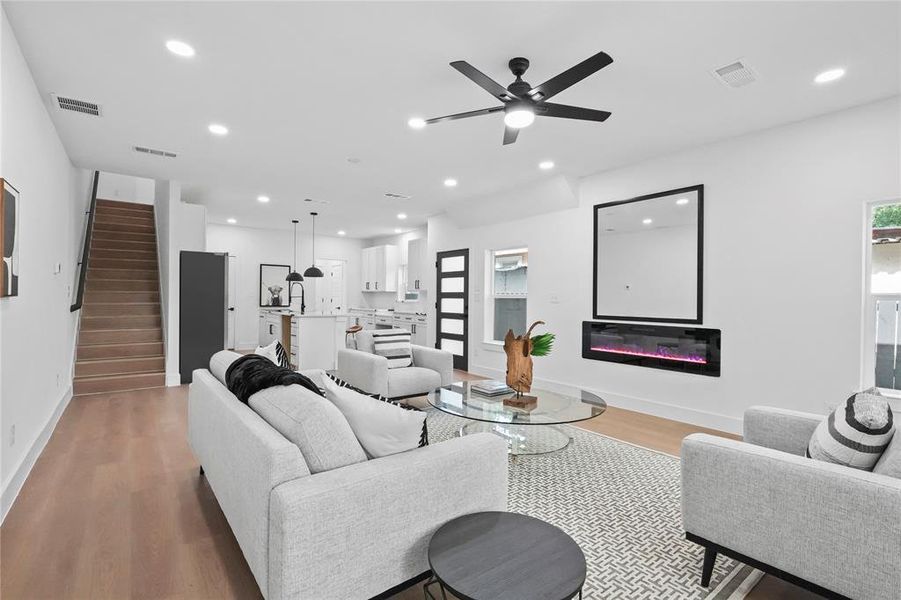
<point x="686" y="349"/>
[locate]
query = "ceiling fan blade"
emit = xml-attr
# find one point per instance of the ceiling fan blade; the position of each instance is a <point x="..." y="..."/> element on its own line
<point x="564" y="111"/>
<point x="571" y="76"/>
<point x="464" y="115"/>
<point x="483" y="81"/>
<point x="510" y="134"/>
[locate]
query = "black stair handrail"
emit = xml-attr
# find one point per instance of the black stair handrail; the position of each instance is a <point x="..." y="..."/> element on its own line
<point x="86" y="250"/>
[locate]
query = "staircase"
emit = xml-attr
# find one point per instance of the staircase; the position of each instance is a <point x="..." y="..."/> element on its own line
<point x="120" y="343"/>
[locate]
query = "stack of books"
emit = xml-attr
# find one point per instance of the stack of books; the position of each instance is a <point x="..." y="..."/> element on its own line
<point x="490" y="388"/>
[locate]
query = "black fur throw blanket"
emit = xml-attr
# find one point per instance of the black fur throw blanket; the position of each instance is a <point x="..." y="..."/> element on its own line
<point x="252" y="373"/>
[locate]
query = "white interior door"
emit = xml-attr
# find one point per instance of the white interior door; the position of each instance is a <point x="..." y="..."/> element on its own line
<point x="331" y="290"/>
<point x="232" y="283"/>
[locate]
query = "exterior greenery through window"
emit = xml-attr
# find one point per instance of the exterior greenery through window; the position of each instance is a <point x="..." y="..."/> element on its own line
<point x="506" y="291"/>
<point x="888" y="215"/>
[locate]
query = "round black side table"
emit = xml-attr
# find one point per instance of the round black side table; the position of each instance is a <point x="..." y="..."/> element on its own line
<point x="505" y="556"/>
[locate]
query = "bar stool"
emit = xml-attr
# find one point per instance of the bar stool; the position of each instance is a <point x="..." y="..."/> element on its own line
<point x="352" y="331"/>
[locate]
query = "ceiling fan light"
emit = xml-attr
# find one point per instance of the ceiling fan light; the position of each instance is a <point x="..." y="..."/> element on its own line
<point x="519" y="118"/>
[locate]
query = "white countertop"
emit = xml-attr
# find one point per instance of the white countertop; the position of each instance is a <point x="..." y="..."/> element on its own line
<point x="284" y="311"/>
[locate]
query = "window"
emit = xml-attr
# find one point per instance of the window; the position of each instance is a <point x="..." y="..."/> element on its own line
<point x="506" y="286"/>
<point x="884" y="301"/>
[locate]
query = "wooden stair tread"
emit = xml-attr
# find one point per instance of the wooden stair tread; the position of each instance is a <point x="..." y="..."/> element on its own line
<point x="118" y="359"/>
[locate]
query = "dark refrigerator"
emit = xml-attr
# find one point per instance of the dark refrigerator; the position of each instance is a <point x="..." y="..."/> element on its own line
<point x="203" y="309"/>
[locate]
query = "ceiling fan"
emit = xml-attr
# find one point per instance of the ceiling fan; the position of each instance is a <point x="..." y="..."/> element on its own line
<point x="522" y="102"/>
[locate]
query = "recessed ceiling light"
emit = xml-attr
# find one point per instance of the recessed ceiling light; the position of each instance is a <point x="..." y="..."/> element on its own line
<point x="546" y="164"/>
<point x="647" y="221"/>
<point x="342" y="232"/>
<point x="217" y="129"/>
<point x="416" y="123"/>
<point x="401" y="216"/>
<point x="682" y="201"/>
<point x="519" y="118"/>
<point x="830" y="75"/>
<point x="263" y="199"/>
<point x="398" y="230"/>
<point x="231" y="221"/>
<point x="180" y="48"/>
<point x="450" y="182"/>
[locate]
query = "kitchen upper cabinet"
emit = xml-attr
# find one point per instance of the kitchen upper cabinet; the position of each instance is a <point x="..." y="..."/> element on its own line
<point x="379" y="269"/>
<point x="417" y="265"/>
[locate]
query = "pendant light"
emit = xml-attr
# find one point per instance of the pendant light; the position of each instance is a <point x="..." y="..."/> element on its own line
<point x="294" y="276"/>
<point x="313" y="270"/>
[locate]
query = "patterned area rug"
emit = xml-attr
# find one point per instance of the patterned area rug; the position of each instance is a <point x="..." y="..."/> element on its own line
<point x="621" y="503"/>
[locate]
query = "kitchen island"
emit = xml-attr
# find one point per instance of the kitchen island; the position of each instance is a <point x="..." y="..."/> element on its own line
<point x="312" y="339"/>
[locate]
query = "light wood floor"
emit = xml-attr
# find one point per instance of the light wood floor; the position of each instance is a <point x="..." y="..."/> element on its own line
<point x="114" y="507"/>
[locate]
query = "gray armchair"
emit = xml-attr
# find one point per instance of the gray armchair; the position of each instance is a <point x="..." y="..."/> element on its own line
<point x="431" y="369"/>
<point x="829" y="528"/>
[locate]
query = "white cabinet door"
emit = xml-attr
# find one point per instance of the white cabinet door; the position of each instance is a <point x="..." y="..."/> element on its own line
<point x="419" y="334"/>
<point x="416" y="264"/>
<point x="379" y="269"/>
<point x="368" y="270"/>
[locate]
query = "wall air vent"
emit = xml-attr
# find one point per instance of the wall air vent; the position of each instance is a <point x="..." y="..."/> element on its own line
<point x="154" y="151"/>
<point x="735" y="75"/>
<point x="395" y="196"/>
<point x="81" y="106"/>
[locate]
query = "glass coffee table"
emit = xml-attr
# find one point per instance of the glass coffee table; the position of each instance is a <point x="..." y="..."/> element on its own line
<point x="528" y="423"/>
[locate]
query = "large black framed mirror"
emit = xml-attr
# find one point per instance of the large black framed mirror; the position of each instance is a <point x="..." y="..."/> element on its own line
<point x="649" y="257"/>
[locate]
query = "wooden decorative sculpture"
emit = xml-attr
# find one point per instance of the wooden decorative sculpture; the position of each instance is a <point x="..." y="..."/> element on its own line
<point x="519" y="356"/>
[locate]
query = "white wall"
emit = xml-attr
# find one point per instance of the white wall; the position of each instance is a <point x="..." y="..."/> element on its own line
<point x="37" y="331"/>
<point x="784" y="241"/>
<point x="126" y="188"/>
<point x="180" y="226"/>
<point x="252" y="246"/>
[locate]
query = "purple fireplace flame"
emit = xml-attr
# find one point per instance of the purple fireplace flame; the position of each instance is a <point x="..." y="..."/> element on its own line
<point x="662" y="353"/>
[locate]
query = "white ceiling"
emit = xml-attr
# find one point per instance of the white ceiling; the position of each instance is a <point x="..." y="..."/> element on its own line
<point x="305" y="86"/>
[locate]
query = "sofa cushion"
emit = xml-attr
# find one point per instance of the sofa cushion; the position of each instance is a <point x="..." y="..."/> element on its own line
<point x="393" y="344"/>
<point x="382" y="428"/>
<point x="890" y="461"/>
<point x="856" y="433"/>
<point x="318" y="376"/>
<point x="314" y="424"/>
<point x="412" y="381"/>
<point x="220" y="362"/>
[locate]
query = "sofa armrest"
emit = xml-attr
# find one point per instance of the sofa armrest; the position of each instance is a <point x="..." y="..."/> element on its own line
<point x="828" y="524"/>
<point x="436" y="360"/>
<point x="356" y="531"/>
<point x="363" y="370"/>
<point x="780" y="429"/>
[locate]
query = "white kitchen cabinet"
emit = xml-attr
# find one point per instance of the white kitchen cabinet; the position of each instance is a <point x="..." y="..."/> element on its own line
<point x="270" y="327"/>
<point x="379" y="269"/>
<point x="417" y="264"/>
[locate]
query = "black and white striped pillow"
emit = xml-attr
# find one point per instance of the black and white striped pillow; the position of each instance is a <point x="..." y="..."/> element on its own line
<point x="856" y="433"/>
<point x="276" y="353"/>
<point x="423" y="438"/>
<point x="395" y="346"/>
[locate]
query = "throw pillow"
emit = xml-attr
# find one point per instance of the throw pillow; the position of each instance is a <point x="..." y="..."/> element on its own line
<point x="382" y="428"/>
<point x="220" y="362"/>
<point x="856" y="433"/>
<point x="314" y="424"/>
<point x="395" y="346"/>
<point x="276" y="353"/>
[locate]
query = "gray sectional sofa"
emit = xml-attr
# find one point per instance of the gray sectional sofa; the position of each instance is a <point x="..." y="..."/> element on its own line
<point x="351" y="532"/>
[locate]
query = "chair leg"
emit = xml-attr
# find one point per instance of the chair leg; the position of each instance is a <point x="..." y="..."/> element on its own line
<point x="201" y="470"/>
<point x="709" y="562"/>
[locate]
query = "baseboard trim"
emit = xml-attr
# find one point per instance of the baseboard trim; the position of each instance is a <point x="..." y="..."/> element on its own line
<point x="643" y="405"/>
<point x="173" y="379"/>
<point x="14" y="485"/>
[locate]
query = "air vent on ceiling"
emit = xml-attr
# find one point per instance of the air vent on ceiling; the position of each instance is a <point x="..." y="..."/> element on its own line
<point x="310" y="200"/>
<point x="81" y="106"/>
<point x="735" y="75"/>
<point x="395" y="196"/>
<point x="154" y="151"/>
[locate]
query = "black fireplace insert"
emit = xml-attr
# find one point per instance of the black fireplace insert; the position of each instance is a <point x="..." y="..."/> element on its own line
<point x="686" y="349"/>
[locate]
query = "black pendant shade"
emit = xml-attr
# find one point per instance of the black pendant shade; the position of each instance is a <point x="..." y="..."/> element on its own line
<point x="313" y="270"/>
<point x="294" y="276"/>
